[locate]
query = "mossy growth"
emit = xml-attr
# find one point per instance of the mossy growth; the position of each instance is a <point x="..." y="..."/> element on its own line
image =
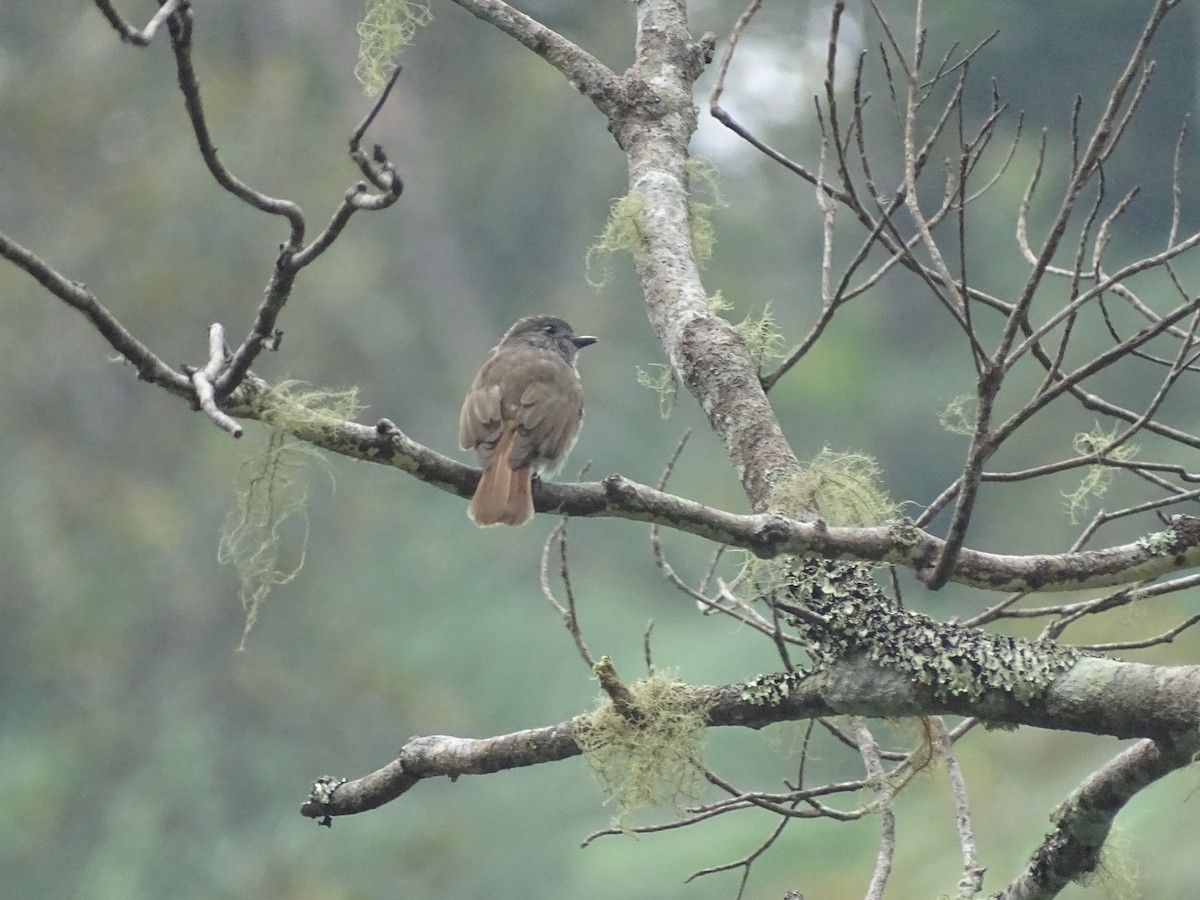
<point x="272" y="491"/>
<point x="620" y="234"/>
<point x="1098" y="477"/>
<point x="1116" y="872"/>
<point x="651" y="757"/>
<point x="958" y="416"/>
<point x="852" y="616"/>
<point x="703" y="178"/>
<point x="388" y="27"/>
<point x="660" y="379"/>
<point x="763" y="339"/>
<point x="296" y="406"/>
<point x="841" y="488"/>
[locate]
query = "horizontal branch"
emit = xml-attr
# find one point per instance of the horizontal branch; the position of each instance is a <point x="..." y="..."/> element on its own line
<point x="1096" y="696"/>
<point x="766" y="535"/>
<point x="444" y="756"/>
<point x="769" y="535"/>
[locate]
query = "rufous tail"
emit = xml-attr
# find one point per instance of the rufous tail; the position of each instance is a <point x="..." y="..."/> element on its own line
<point x="504" y="496"/>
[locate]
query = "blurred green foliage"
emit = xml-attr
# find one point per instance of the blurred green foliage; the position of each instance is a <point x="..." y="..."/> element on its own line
<point x="143" y="757"/>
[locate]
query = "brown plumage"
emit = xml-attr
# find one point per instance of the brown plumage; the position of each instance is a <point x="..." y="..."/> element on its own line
<point x="522" y="415"/>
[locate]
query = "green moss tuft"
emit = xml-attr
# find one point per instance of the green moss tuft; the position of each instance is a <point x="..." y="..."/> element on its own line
<point x="702" y="174"/>
<point x="652" y="758"/>
<point x="660" y="379"/>
<point x="958" y="416"/>
<point x="387" y="28"/>
<point x="620" y="234"/>
<point x="841" y="488"/>
<point x="762" y="337"/>
<point x="1096" y="481"/>
<point x="296" y="406"/>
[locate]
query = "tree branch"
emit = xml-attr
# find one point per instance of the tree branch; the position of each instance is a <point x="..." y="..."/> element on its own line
<point x="1083" y="821"/>
<point x="149" y="367"/>
<point x="654" y="125"/>
<point x="132" y="35"/>
<point x="853" y="687"/>
<point x="585" y="72"/>
<point x="766" y="535"/>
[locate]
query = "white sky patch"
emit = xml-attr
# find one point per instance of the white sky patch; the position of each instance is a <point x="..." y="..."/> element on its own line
<point x="771" y="84"/>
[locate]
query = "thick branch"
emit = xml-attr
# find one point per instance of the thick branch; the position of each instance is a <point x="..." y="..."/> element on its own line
<point x="1096" y="696"/>
<point x="654" y="125"/>
<point x="1072" y="850"/>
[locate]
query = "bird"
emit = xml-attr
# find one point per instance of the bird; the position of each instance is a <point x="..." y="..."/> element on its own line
<point x="522" y="415"/>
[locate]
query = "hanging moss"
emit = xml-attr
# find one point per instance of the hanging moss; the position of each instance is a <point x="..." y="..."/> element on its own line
<point x="273" y="490"/>
<point x="620" y="234"/>
<point x="387" y="28"/>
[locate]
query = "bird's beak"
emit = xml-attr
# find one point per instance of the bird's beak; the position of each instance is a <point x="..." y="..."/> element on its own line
<point x="583" y="340"/>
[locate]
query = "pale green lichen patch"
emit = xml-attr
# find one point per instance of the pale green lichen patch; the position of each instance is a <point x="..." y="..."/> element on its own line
<point x="1161" y="543"/>
<point x="905" y="534"/>
<point x="772" y="689"/>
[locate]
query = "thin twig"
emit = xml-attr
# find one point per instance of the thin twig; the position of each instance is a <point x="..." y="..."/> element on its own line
<point x="202" y="380"/>
<point x="132" y="35"/>
<point x="570" y="620"/>
<point x="869" y="751"/>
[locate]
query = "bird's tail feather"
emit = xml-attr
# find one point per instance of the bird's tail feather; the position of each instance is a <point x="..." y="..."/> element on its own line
<point x="504" y="495"/>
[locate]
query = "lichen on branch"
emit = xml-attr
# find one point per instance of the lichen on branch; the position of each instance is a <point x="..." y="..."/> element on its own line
<point x="650" y="754"/>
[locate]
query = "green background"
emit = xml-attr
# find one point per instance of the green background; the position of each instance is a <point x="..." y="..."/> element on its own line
<point x="143" y="756"/>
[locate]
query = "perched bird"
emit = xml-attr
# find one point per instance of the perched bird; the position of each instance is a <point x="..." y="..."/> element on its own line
<point x="522" y="415"/>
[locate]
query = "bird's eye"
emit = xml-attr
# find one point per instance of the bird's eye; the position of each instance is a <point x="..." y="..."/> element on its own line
<point x="548" y="329"/>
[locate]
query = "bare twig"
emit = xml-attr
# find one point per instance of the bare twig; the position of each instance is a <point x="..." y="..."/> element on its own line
<point x="132" y="35"/>
<point x="971" y="882"/>
<point x="202" y="380"/>
<point x="570" y="620"/>
<point x="585" y="72"/>
<point x="149" y="367"/>
<point x="869" y="750"/>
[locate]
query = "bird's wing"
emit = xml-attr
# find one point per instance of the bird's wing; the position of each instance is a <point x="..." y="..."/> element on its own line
<point x="479" y="422"/>
<point x="547" y="420"/>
